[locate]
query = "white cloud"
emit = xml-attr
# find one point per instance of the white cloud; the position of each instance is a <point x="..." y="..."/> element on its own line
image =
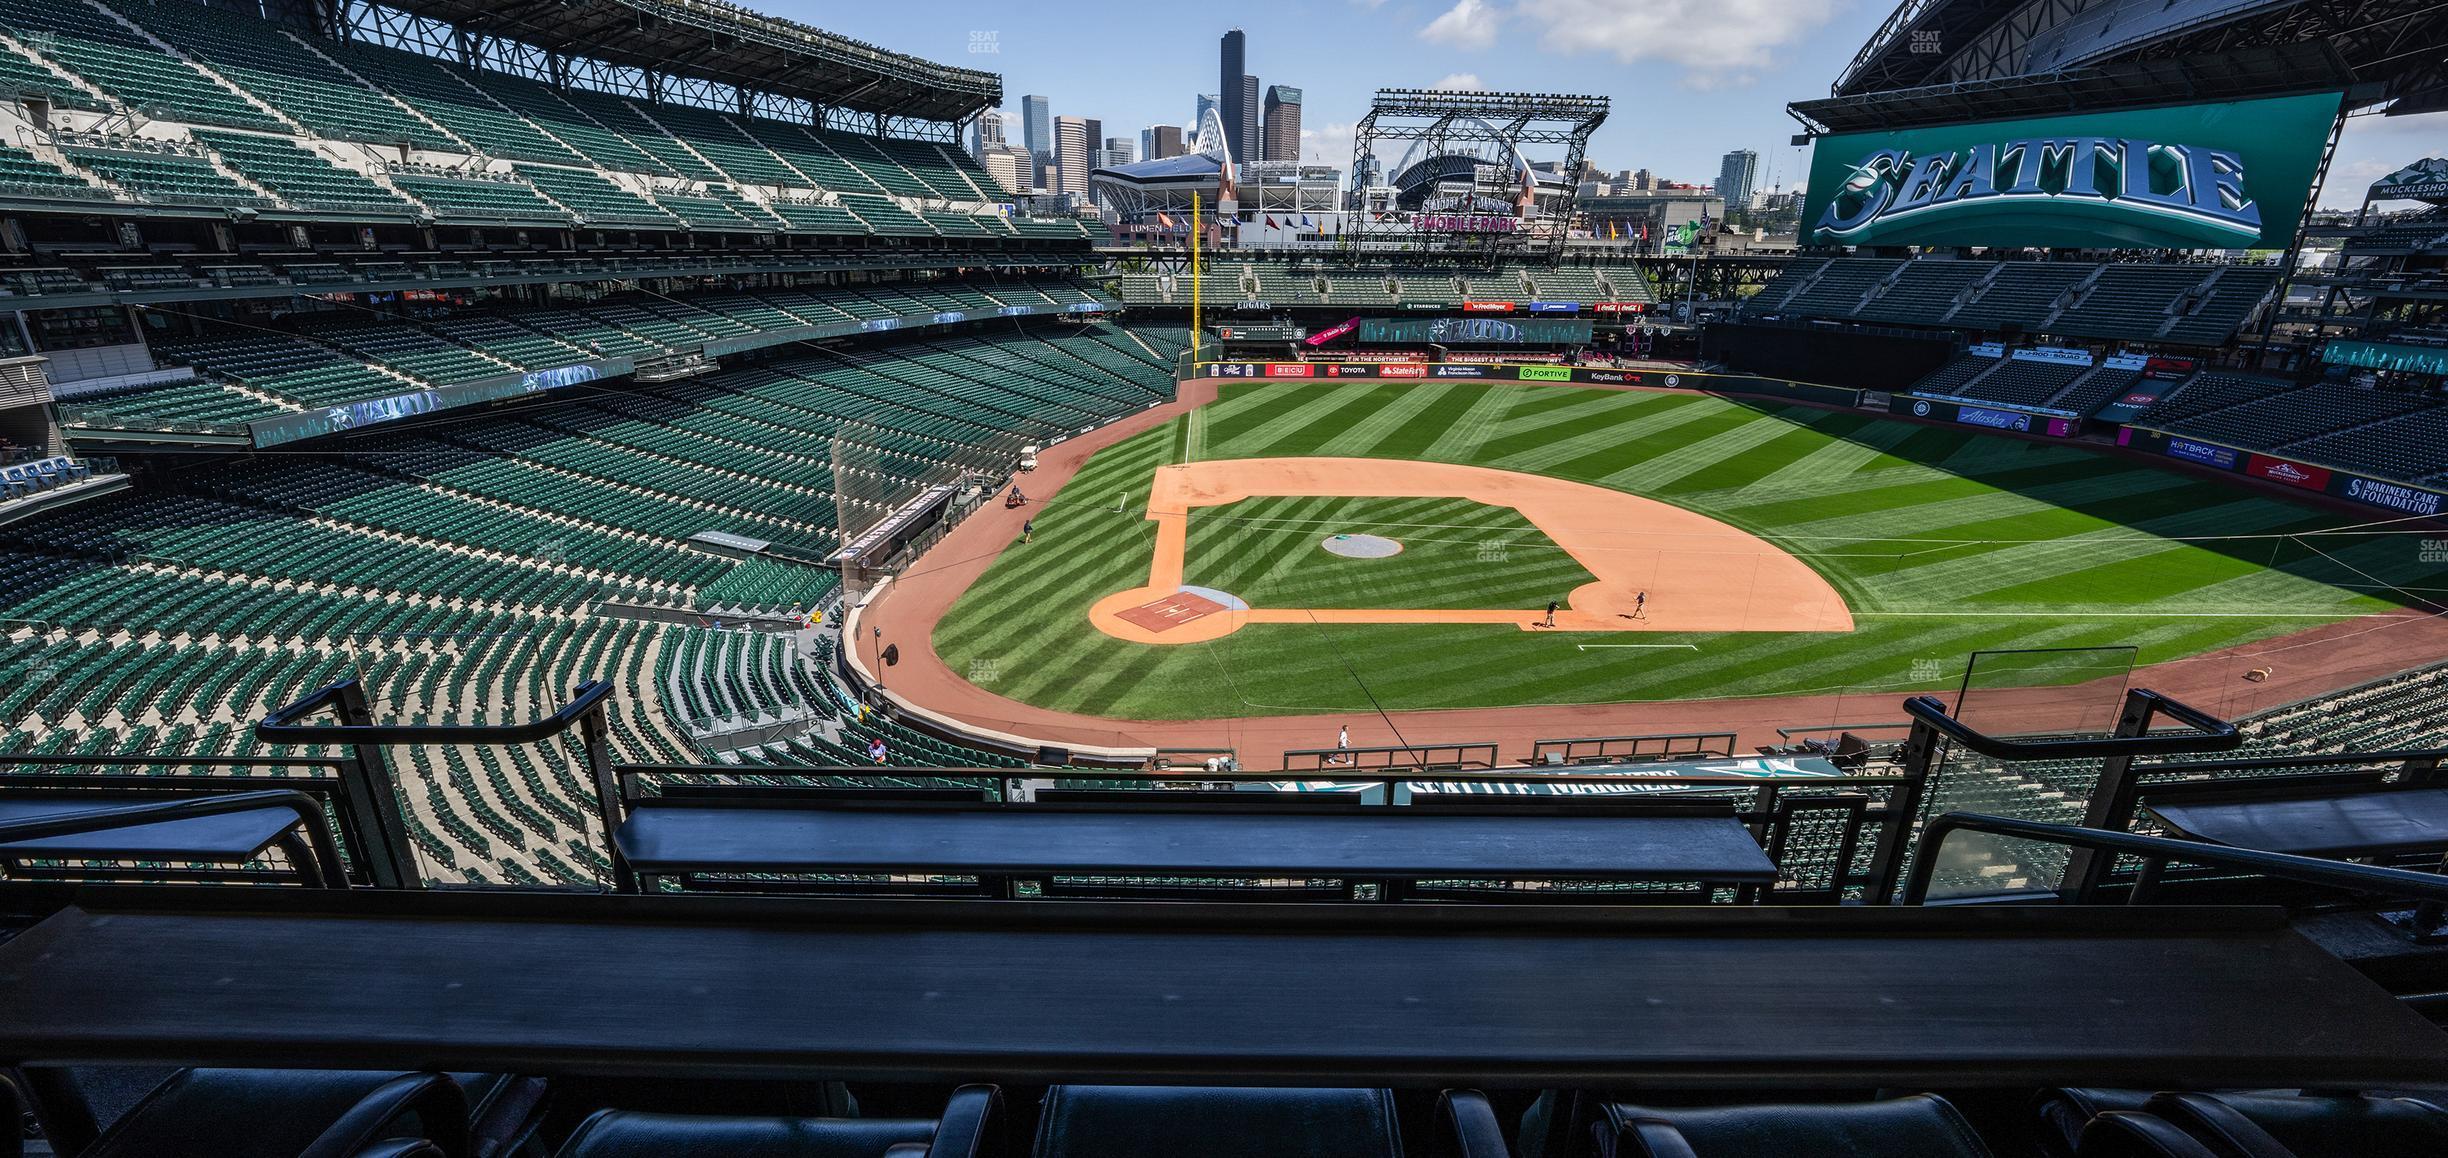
<point x="1468" y="24"/>
<point x="1716" y="42"/>
<point x="1328" y="144"/>
<point x="1460" y="82"/>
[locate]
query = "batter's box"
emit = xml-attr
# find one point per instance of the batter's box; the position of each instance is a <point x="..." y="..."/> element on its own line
<point x="1170" y="612"/>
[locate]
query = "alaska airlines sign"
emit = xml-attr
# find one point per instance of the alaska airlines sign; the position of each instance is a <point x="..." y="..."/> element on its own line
<point x="2232" y="176"/>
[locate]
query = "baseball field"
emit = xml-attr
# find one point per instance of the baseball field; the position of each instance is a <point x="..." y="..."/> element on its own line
<point x="1303" y="548"/>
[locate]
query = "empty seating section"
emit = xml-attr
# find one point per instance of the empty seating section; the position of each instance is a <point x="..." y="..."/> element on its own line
<point x="285" y="74"/>
<point x="2232" y="298"/>
<point x="2316" y="409"/>
<point x="615" y="114"/>
<point x="2024" y="383"/>
<point x="92" y="43"/>
<point x="2129" y="300"/>
<point x="1925" y="292"/>
<point x="2095" y="389"/>
<point x="815" y="216"/>
<point x="21" y="77"/>
<point x="477" y="197"/>
<point x="2206" y="392"/>
<point x="22" y="174"/>
<point x="299" y="176"/>
<point x="285" y="368"/>
<point x="405" y="349"/>
<point x="461" y="567"/>
<point x="1949" y="380"/>
<point x="702" y="210"/>
<point x="176" y="178"/>
<point x="593" y="197"/>
<point x="434" y="89"/>
<point x="545" y="109"/>
<point x="2024" y="293"/>
<point x="1839" y="291"/>
<point x="725" y="144"/>
<point x="1771" y="298"/>
<point x="2412" y="446"/>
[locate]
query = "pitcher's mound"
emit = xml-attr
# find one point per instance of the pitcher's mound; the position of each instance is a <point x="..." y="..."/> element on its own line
<point x="1361" y="546"/>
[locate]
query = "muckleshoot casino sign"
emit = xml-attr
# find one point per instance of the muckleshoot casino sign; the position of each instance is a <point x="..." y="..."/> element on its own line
<point x="2212" y="176"/>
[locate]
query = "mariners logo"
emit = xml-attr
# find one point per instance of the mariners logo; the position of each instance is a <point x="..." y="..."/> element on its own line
<point x="2177" y="195"/>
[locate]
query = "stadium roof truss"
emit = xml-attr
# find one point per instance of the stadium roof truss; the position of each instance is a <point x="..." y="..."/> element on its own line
<point x="2392" y="50"/>
<point x="1437" y="122"/>
<point x="687" y="51"/>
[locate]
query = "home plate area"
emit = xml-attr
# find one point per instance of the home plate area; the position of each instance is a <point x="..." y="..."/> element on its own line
<point x="1171" y="611"/>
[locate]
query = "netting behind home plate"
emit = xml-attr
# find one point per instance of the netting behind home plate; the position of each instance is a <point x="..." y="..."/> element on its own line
<point x="896" y="491"/>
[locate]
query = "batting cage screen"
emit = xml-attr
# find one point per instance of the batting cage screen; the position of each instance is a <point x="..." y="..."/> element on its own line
<point x="896" y="491"/>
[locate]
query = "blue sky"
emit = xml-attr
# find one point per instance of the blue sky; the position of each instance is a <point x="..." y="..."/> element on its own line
<point x="1690" y="79"/>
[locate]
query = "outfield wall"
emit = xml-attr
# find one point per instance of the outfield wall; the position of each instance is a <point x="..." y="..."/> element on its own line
<point x="2356" y="490"/>
<point x="1698" y="380"/>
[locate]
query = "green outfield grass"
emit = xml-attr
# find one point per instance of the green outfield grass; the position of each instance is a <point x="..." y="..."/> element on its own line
<point x="1943" y="542"/>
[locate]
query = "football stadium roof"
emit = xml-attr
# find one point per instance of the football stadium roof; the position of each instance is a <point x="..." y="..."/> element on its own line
<point x="730" y="45"/>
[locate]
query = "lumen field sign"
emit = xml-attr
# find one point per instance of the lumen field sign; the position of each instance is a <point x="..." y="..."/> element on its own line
<point x="2210" y="176"/>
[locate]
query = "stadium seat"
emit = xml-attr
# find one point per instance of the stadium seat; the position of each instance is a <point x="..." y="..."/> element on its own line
<point x="227" y="1113"/>
<point x="960" y="1133"/>
<point x="2281" y="1125"/>
<point x="1919" y="1126"/>
<point x="1191" y="1122"/>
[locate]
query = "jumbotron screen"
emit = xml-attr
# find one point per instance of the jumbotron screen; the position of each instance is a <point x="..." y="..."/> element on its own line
<point x="2232" y="175"/>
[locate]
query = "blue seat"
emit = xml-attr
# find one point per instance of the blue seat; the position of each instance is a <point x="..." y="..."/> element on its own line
<point x="1192" y="1122"/>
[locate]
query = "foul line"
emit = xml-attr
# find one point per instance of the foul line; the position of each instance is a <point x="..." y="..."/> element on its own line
<point x="2079" y="614"/>
<point x="1634" y="646"/>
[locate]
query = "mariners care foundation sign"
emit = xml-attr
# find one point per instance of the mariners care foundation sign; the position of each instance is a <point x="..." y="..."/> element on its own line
<point x="2216" y="176"/>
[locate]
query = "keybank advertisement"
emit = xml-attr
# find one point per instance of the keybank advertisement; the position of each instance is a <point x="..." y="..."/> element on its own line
<point x="2211" y="176"/>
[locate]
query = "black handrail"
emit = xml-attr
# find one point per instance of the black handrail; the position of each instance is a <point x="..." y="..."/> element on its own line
<point x="2159" y="849"/>
<point x="281" y="726"/>
<point x="2304" y="760"/>
<point x="2209" y="733"/>
<point x="309" y="814"/>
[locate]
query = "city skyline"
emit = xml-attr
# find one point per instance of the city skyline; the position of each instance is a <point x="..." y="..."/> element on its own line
<point x="1691" y="80"/>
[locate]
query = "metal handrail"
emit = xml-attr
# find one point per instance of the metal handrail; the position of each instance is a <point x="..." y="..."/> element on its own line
<point x="309" y="816"/>
<point x="2160" y="850"/>
<point x="282" y="726"/>
<point x="2208" y="734"/>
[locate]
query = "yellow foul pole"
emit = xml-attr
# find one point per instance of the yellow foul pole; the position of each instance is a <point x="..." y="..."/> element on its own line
<point x="1195" y="230"/>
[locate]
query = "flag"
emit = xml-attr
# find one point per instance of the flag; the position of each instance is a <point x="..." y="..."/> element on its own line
<point x="1165" y="219"/>
<point x="1270" y="220"/>
<point x="1305" y="222"/>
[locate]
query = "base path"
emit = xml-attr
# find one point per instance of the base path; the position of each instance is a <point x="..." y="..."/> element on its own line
<point x="2301" y="665"/>
<point x="1699" y="574"/>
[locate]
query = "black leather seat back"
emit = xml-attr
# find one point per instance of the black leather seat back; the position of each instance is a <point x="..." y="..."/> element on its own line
<point x="633" y="1134"/>
<point x="2312" y="1126"/>
<point x="1191" y="1122"/>
<point x="1920" y="1126"/>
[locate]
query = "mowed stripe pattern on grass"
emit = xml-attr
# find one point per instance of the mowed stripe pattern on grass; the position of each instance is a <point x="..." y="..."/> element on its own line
<point x="1926" y="531"/>
<point x="1456" y="554"/>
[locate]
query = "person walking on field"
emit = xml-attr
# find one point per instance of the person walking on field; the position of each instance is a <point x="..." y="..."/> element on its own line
<point x="1640" y="605"/>
<point x="1028" y="529"/>
<point x="1551" y="610"/>
<point x="1342" y="745"/>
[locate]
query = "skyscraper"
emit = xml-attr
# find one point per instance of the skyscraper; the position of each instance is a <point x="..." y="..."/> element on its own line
<point x="1163" y="141"/>
<point x="1234" y="81"/>
<point x="1095" y="128"/>
<point x="1283" y="122"/>
<point x="1253" y="142"/>
<point x="1037" y="127"/>
<point x="1071" y="156"/>
<point x="1737" y="178"/>
<point x="986" y="130"/>
<point x="1120" y="151"/>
